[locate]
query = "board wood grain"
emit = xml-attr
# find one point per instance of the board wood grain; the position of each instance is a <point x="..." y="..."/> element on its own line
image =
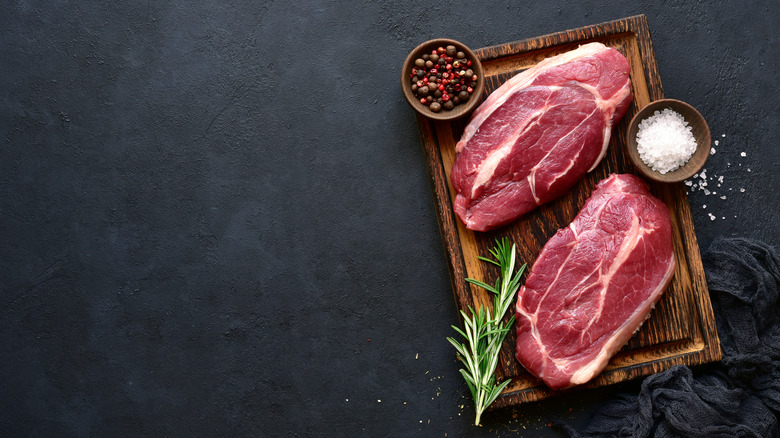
<point x="681" y="328"/>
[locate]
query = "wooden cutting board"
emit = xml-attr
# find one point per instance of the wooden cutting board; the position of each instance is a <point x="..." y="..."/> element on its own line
<point x="681" y="328"/>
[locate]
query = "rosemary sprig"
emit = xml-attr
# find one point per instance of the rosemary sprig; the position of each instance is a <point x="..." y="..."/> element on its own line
<point x="485" y="332"/>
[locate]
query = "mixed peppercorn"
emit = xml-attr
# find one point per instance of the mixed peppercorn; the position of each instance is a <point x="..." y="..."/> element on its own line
<point x="443" y="78"/>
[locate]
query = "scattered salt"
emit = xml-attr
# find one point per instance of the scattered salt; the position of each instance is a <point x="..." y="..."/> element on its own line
<point x="716" y="142"/>
<point x="742" y="190"/>
<point x="665" y="141"/>
<point x="743" y="154"/>
<point x="704" y="206"/>
<point x="724" y="135"/>
<point x="712" y="216"/>
<point x="723" y="197"/>
<point x="712" y="151"/>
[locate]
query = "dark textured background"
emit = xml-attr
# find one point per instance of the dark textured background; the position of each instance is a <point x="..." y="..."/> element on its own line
<point x="216" y="218"/>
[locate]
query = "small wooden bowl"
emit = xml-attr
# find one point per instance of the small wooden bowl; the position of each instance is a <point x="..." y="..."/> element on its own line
<point x="701" y="132"/>
<point x="459" y="110"/>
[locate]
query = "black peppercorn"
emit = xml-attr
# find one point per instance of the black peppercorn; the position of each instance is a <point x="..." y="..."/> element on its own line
<point x="448" y="105"/>
<point x="451" y="50"/>
<point x="435" y="107"/>
<point x="464" y="96"/>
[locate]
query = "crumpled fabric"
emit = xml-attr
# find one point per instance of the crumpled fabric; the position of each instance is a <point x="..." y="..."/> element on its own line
<point x="738" y="397"/>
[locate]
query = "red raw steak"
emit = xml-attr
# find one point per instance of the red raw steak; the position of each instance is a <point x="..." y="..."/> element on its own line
<point x="538" y="134"/>
<point x="594" y="283"/>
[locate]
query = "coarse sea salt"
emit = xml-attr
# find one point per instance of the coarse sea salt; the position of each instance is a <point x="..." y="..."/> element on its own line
<point x="665" y="141"/>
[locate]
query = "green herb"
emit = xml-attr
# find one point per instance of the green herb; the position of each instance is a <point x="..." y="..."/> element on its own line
<point x="485" y="332"/>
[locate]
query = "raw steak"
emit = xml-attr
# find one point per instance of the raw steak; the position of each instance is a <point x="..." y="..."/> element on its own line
<point x="538" y="134"/>
<point x="594" y="283"/>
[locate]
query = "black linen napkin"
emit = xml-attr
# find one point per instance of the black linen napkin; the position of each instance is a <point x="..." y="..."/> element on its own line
<point x="740" y="396"/>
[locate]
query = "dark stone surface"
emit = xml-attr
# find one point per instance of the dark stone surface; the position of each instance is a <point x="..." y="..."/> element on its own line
<point x="217" y="221"/>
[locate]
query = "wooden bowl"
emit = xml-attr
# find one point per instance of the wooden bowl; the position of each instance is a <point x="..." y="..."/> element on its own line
<point x="701" y="132"/>
<point x="459" y="110"/>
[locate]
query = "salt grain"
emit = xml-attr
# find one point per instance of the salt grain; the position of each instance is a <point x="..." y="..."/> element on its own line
<point x="743" y="154"/>
<point x="665" y="141"/>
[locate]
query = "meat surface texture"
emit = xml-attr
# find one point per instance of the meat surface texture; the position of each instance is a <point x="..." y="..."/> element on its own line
<point x="594" y="283"/>
<point x="535" y="136"/>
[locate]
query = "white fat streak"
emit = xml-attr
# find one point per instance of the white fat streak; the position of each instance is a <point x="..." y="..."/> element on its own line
<point x="532" y="174"/>
<point x="607" y="106"/>
<point x="533" y="319"/>
<point x="488" y="166"/>
<point x="626" y="247"/>
<point x="519" y="81"/>
<point x="585" y="373"/>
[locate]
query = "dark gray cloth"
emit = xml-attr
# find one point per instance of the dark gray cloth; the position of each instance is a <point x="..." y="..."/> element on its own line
<point x="740" y="396"/>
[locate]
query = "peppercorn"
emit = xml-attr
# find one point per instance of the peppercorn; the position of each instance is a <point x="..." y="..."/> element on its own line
<point x="442" y="79"/>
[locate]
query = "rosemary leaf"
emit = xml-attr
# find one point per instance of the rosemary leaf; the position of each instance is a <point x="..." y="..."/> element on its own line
<point x="484" y="330"/>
